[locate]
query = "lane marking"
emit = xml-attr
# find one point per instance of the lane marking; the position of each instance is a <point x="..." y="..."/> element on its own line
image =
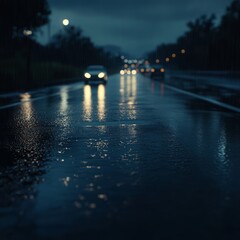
<point x="11" y="105"/>
<point x="220" y="104"/>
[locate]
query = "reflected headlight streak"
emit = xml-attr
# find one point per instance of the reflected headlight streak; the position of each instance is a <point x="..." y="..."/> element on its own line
<point x="101" y="75"/>
<point x="87" y="75"/>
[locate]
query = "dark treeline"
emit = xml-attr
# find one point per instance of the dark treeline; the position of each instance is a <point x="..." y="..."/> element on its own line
<point x="70" y="46"/>
<point x="25" y="63"/>
<point x="205" y="45"/>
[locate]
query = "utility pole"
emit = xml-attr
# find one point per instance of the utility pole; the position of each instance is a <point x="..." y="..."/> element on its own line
<point x="49" y="31"/>
<point x="28" y="34"/>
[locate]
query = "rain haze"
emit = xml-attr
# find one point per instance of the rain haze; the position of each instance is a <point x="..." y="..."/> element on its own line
<point x="119" y="119"/>
<point x="135" y="26"/>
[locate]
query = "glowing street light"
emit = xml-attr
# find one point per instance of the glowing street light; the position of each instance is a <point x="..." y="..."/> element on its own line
<point x="167" y="59"/>
<point x="183" y="51"/>
<point x="27" y="32"/>
<point x="157" y="61"/>
<point x="66" y="22"/>
<point x="174" y="55"/>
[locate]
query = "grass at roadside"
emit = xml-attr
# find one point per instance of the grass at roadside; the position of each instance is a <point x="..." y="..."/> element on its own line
<point x="14" y="72"/>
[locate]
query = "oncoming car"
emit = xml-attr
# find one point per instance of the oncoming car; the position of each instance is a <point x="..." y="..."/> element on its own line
<point x="129" y="71"/>
<point x="95" y="74"/>
<point x="157" y="71"/>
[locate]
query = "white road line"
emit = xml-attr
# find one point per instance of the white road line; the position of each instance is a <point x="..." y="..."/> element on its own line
<point x="223" y="105"/>
<point x="11" y="105"/>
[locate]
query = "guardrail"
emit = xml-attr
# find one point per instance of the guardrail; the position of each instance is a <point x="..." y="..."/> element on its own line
<point x="232" y="75"/>
<point x="225" y="79"/>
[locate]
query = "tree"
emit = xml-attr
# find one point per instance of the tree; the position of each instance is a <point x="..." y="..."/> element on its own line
<point x="229" y="37"/>
<point x="198" y="39"/>
<point x="231" y="19"/>
<point x="70" y="46"/>
<point x="17" y="15"/>
<point x="198" y="42"/>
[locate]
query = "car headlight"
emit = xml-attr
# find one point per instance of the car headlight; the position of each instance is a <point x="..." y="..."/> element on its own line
<point x="101" y="75"/>
<point x="122" y="72"/>
<point x="87" y="75"/>
<point x="134" y="72"/>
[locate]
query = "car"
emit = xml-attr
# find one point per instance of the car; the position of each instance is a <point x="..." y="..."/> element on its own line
<point x="96" y="74"/>
<point x="144" y="68"/>
<point x="157" y="72"/>
<point x="129" y="70"/>
<point x="133" y="70"/>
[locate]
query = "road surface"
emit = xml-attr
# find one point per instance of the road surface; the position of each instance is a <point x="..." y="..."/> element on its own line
<point x="135" y="159"/>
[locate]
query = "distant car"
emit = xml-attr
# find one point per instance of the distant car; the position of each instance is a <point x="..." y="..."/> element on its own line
<point x="157" y="72"/>
<point x="128" y="71"/>
<point x="132" y="70"/>
<point x="95" y="74"/>
<point x="144" y="68"/>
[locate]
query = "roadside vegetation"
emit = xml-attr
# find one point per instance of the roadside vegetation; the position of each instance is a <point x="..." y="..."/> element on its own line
<point x="13" y="74"/>
<point x="205" y="45"/>
<point x="25" y="63"/>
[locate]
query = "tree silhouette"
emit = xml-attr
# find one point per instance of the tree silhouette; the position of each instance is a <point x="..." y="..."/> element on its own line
<point x="17" y="15"/>
<point x="71" y="47"/>
<point x="198" y="39"/>
<point x="209" y="47"/>
<point x="229" y="37"/>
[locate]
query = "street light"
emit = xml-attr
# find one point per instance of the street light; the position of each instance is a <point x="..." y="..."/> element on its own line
<point x="65" y="22"/>
<point x="28" y="33"/>
<point x="183" y="51"/>
<point x="49" y="30"/>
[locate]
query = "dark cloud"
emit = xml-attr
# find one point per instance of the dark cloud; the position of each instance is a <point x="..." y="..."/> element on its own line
<point x="136" y="26"/>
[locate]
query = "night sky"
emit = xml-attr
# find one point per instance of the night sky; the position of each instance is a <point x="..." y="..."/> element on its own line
<point x="135" y="26"/>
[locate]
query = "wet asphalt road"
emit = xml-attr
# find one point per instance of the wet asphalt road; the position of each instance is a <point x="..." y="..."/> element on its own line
<point x="130" y="160"/>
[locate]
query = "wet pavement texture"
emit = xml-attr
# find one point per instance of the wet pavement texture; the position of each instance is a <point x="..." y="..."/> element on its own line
<point x="129" y="160"/>
<point x="218" y="91"/>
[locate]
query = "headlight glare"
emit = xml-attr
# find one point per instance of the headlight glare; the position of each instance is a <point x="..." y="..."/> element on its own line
<point x="134" y="72"/>
<point x="87" y="75"/>
<point x="101" y="75"/>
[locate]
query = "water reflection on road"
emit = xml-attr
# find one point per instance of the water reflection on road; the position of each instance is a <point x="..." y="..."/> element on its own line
<point x="23" y="154"/>
<point x="131" y="155"/>
<point x="87" y="103"/>
<point x="128" y="91"/>
<point x="101" y="103"/>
